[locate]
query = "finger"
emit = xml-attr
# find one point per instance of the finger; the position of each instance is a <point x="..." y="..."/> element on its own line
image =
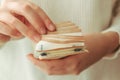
<point x="5" y="29"/>
<point x="36" y="62"/>
<point x="12" y="21"/>
<point x="43" y="64"/>
<point x="58" y="67"/>
<point x="4" y="38"/>
<point x="57" y="72"/>
<point x="25" y="10"/>
<point x="51" y="67"/>
<point x="49" y="24"/>
<point x="32" y="59"/>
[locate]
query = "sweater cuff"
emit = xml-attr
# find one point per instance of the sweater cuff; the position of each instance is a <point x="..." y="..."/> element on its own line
<point x="115" y="54"/>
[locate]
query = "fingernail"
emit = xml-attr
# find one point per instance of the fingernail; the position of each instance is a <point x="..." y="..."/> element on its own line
<point x="37" y="38"/>
<point x="51" y="27"/>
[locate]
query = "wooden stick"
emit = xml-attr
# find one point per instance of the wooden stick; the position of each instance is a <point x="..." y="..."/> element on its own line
<point x="62" y="48"/>
<point x="63" y="24"/>
<point x="62" y="39"/>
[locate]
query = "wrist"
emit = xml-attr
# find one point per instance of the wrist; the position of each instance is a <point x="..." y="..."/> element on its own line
<point x="101" y="44"/>
<point x="112" y="39"/>
<point x="96" y="44"/>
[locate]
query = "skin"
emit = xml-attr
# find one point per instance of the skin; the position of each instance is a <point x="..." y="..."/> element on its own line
<point x="15" y="22"/>
<point x="106" y="44"/>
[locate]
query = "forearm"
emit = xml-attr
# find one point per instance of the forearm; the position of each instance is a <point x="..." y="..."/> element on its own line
<point x="112" y="41"/>
<point x="102" y="43"/>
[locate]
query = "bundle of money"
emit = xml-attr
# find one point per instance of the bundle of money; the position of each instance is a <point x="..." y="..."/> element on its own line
<point x="65" y="41"/>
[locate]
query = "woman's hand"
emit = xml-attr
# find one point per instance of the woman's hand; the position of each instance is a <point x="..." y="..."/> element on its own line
<point x="98" y="45"/>
<point x="3" y="39"/>
<point x="23" y="18"/>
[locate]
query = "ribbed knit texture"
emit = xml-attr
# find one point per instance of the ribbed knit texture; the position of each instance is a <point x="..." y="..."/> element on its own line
<point x="90" y="15"/>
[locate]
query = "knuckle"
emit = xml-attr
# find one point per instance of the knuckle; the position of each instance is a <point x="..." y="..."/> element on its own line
<point x="31" y="32"/>
<point x="25" y="6"/>
<point x="13" y="32"/>
<point x="4" y="15"/>
<point x="34" y="6"/>
<point x="47" y="20"/>
<point x="13" y="21"/>
<point x="37" y="8"/>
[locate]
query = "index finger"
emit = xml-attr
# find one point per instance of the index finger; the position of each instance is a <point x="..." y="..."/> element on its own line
<point x="49" y="24"/>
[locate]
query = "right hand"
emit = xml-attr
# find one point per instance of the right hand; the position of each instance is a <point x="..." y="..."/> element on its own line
<point x="23" y="18"/>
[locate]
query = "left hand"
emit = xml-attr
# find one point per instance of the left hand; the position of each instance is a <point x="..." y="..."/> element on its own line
<point x="98" y="46"/>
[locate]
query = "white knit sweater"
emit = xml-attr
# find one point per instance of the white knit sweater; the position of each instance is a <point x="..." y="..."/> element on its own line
<point x="90" y="15"/>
